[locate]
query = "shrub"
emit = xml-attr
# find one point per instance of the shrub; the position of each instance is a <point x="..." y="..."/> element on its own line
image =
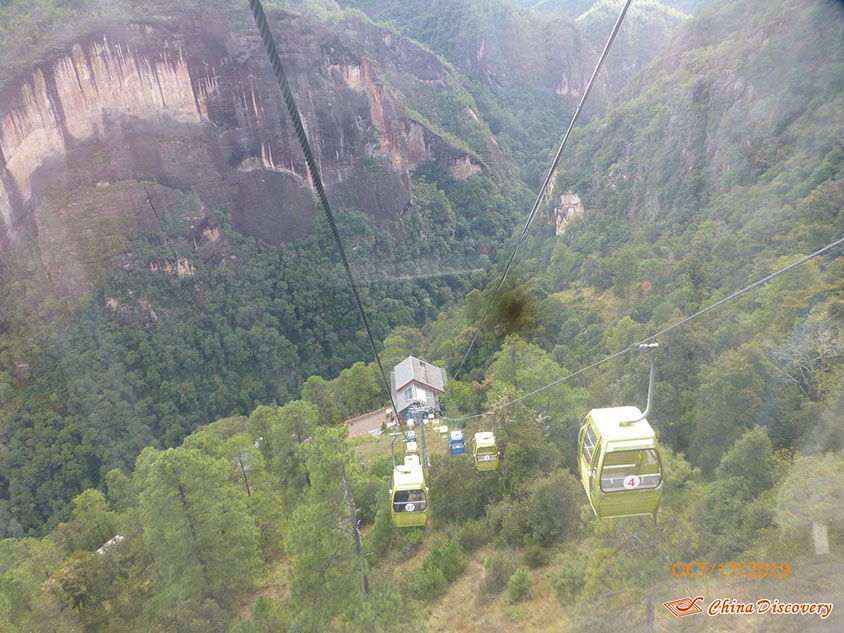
<point x="267" y="617"/>
<point x="553" y="509"/>
<point x="449" y="558"/>
<point x="382" y="468"/>
<point x="536" y="556"/>
<point x="508" y="521"/>
<point x="473" y="534"/>
<point x="366" y="491"/>
<point x="431" y="581"/>
<point x="383" y="533"/>
<point x="499" y="567"/>
<point x="461" y="491"/>
<point x="571" y="578"/>
<point x="442" y="565"/>
<point x="387" y="608"/>
<point x="518" y="587"/>
<point x="414" y="536"/>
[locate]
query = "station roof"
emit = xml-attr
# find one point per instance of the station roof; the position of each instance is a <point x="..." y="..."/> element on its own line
<point x="414" y="369"/>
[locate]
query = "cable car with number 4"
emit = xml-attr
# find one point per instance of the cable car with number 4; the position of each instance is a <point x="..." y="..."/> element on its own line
<point x="618" y="458"/>
<point x="620" y="467"/>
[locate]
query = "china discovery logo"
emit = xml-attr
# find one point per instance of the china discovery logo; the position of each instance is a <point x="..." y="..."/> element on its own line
<point x="684" y="606"/>
<point x="731" y="606"/>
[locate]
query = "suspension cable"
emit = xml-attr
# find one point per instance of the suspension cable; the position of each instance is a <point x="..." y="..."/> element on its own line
<point x="721" y="302"/>
<point x="275" y="60"/>
<point x="545" y="183"/>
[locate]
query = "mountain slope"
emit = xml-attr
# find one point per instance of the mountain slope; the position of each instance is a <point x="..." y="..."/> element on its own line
<point x="716" y="165"/>
<point x="162" y="261"/>
<point x="191" y="109"/>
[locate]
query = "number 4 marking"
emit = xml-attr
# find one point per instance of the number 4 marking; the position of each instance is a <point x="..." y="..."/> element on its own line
<point x="631" y="482"/>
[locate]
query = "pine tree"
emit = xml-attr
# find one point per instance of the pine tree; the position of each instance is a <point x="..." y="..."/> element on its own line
<point x="324" y="541"/>
<point x="195" y="521"/>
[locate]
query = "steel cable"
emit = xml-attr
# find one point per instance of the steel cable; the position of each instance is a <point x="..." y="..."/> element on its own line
<point x="272" y="52"/>
<point x="721" y="302"/>
<point x="547" y="180"/>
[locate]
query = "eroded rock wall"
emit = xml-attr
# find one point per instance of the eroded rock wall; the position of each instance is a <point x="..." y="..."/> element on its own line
<point x="187" y="110"/>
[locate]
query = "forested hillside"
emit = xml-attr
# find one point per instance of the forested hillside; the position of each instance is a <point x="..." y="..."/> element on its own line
<point x="137" y="304"/>
<point x="526" y="69"/>
<point x="576" y="8"/>
<point x="198" y="416"/>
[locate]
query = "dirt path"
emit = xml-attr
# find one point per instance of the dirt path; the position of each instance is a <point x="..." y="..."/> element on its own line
<point x="367" y="423"/>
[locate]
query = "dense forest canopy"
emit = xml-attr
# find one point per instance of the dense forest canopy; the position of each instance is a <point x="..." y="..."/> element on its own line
<point x="173" y="455"/>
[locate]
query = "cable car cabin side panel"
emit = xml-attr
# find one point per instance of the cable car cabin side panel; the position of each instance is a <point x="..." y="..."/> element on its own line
<point x="485" y="451"/>
<point x="486" y="459"/>
<point x="410" y="508"/>
<point x="630" y="482"/>
<point x="587" y="447"/>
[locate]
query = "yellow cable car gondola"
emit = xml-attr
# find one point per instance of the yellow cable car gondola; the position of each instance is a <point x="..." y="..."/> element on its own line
<point x="620" y="467"/>
<point x="485" y="451"/>
<point x="619" y="462"/>
<point x="409" y="496"/>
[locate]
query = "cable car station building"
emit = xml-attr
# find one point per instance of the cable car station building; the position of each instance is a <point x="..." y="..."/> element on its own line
<point x="415" y="381"/>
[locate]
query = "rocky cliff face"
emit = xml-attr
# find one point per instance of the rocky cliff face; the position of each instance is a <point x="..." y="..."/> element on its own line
<point x="700" y="130"/>
<point x="567" y="208"/>
<point x="498" y="44"/>
<point x="190" y="119"/>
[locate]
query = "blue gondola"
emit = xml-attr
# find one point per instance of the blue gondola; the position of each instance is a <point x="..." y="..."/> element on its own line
<point x="456" y="444"/>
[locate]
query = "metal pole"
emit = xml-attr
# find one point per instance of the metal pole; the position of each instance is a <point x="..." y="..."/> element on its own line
<point x="392" y="448"/>
<point x="422" y="439"/>
<point x="647" y="347"/>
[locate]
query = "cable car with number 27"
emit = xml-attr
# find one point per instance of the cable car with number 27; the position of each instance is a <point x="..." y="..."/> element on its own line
<point x="409" y="496"/>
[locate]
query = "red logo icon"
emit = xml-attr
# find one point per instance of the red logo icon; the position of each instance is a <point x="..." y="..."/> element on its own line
<point x="684" y="606"/>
